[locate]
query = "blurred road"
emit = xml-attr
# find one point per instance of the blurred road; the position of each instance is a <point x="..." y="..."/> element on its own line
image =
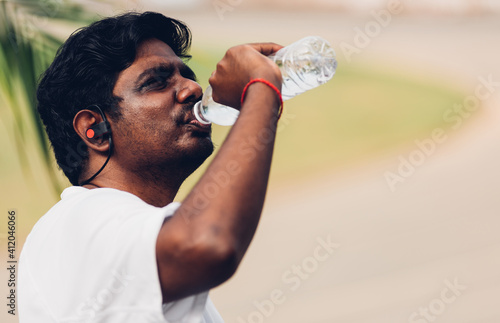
<point x="429" y="251"/>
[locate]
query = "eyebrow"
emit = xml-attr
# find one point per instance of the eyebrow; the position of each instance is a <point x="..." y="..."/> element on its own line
<point x="186" y="71"/>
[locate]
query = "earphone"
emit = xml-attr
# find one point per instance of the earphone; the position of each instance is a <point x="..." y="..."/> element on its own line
<point x="99" y="130"/>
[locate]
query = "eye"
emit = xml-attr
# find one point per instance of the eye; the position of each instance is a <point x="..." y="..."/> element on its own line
<point x="157" y="82"/>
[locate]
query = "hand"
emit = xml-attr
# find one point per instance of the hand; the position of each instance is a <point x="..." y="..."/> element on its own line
<point x="240" y="65"/>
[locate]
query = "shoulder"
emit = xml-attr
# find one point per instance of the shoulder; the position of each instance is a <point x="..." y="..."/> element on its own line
<point x="104" y="203"/>
<point x="83" y="213"/>
<point x="104" y="196"/>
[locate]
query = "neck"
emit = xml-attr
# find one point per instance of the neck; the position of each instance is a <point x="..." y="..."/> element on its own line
<point x="157" y="188"/>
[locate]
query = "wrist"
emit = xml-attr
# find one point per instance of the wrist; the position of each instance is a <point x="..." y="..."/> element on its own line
<point x="261" y="87"/>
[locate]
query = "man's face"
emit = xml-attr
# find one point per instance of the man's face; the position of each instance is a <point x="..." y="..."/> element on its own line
<point x="157" y="126"/>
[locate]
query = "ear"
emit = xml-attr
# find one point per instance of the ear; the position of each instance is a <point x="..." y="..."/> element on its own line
<point x="82" y="122"/>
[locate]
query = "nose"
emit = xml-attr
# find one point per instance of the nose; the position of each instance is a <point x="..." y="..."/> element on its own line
<point x="190" y="91"/>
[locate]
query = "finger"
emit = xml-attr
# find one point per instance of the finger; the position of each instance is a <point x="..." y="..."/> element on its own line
<point x="266" y="48"/>
<point x="211" y="78"/>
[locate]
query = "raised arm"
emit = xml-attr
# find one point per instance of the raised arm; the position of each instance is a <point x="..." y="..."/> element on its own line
<point x="203" y="243"/>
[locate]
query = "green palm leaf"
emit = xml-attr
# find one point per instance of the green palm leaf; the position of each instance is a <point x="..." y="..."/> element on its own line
<point x="25" y="52"/>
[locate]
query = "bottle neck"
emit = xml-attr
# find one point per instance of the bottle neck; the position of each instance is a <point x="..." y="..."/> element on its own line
<point x="197" y="111"/>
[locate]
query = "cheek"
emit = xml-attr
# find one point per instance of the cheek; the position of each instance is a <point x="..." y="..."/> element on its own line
<point x="155" y="134"/>
<point x="152" y="121"/>
<point x="149" y="105"/>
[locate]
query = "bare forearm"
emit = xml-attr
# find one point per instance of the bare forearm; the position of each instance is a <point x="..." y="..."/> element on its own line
<point x="233" y="206"/>
<point x="249" y="147"/>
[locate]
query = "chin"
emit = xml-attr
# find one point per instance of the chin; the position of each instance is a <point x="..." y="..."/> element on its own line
<point x="197" y="155"/>
<point x="206" y="149"/>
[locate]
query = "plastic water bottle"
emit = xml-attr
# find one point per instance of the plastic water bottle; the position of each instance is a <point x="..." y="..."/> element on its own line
<point x="304" y="65"/>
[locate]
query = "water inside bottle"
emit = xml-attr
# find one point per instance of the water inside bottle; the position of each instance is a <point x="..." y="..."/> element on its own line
<point x="305" y="65"/>
<point x="221" y="114"/>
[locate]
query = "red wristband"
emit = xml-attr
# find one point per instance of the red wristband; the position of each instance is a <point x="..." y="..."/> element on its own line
<point x="271" y="85"/>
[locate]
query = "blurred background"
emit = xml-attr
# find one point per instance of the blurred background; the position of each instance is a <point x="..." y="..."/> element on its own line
<point x="382" y="204"/>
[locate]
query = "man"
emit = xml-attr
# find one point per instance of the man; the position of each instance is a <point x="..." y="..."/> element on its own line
<point x="117" y="105"/>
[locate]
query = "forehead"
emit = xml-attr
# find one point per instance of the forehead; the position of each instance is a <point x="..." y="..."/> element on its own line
<point x="154" y="48"/>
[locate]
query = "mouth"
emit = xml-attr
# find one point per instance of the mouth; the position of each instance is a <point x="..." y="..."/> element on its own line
<point x="191" y="122"/>
<point x="202" y="127"/>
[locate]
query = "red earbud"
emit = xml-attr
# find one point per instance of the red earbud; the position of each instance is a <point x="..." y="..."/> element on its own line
<point x="98" y="130"/>
<point x="90" y="133"/>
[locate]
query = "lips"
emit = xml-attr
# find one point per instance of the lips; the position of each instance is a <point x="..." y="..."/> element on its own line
<point x="191" y="121"/>
<point x="200" y="125"/>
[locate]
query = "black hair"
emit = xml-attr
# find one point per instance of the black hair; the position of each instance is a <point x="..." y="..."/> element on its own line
<point x="84" y="73"/>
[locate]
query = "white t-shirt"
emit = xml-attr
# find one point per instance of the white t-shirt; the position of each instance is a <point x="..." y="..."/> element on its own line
<point x="91" y="259"/>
